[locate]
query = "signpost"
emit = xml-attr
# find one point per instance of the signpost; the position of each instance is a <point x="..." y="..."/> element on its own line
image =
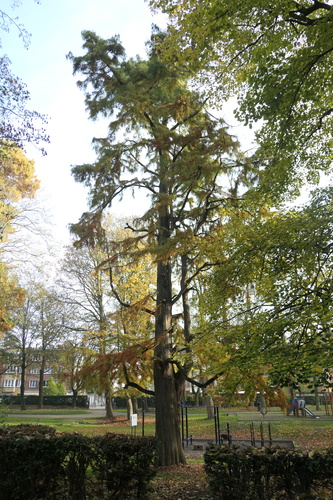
<point x="134" y="423"/>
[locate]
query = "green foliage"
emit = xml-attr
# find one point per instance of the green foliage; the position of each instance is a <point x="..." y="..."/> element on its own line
<point x="41" y="463"/>
<point x="258" y="474"/>
<point x="126" y="464"/>
<point x="277" y="59"/>
<point x="81" y="401"/>
<point x="54" y="388"/>
<point x="270" y="303"/>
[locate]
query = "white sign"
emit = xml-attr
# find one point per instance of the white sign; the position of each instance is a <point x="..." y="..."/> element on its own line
<point x="134" y="420"/>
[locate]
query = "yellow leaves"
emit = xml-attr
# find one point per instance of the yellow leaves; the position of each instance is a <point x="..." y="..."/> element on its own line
<point x="17" y="177"/>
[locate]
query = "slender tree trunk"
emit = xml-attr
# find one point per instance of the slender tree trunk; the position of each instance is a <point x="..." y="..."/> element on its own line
<point x="41" y="383"/>
<point x="317" y="396"/>
<point x="209" y="404"/>
<point x="22" y="399"/>
<point x="75" y="393"/>
<point x="129" y="407"/>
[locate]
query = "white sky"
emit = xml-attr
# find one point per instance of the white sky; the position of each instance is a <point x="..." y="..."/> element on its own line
<point x="55" y="26"/>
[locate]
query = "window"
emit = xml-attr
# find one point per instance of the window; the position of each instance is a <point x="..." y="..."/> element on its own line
<point x="34" y="370"/>
<point x="32" y="383"/>
<point x="9" y="383"/>
<point x="18" y="383"/>
<point x="11" y="369"/>
<point x="45" y="383"/>
<point x="48" y="370"/>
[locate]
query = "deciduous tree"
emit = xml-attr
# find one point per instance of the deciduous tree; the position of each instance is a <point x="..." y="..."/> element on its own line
<point x="270" y="303"/>
<point x="276" y="58"/>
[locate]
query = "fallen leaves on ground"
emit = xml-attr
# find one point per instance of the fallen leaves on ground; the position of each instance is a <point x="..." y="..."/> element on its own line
<point x="182" y="482"/>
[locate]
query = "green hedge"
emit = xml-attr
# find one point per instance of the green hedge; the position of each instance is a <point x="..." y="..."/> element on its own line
<point x="266" y="473"/>
<point x="42" y="465"/>
<point x="81" y="401"/>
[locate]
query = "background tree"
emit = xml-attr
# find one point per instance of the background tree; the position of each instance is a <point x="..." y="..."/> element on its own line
<point x="276" y="58"/>
<point x="20" y="340"/>
<point x="49" y="335"/>
<point x="72" y="358"/>
<point x="54" y="388"/>
<point x="18" y="125"/>
<point x="83" y="290"/>
<point x="179" y="153"/>
<point x="270" y="303"/>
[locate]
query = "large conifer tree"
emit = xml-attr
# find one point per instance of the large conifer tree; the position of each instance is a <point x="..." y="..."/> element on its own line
<point x="163" y="140"/>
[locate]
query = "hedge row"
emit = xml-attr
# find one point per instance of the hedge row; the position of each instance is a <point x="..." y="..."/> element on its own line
<point x="81" y="401"/>
<point x="267" y="473"/>
<point x="41" y="465"/>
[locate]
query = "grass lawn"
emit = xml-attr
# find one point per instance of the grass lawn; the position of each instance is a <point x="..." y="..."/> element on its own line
<point x="305" y="432"/>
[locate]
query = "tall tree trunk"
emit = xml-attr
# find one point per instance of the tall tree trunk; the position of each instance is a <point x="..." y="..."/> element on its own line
<point x="167" y="389"/>
<point x="209" y="404"/>
<point x="22" y="399"/>
<point x="41" y="383"/>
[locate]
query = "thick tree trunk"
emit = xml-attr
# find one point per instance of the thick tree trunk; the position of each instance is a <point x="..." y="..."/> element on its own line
<point x="134" y="404"/>
<point x="108" y="403"/>
<point x="167" y="388"/>
<point x="167" y="407"/>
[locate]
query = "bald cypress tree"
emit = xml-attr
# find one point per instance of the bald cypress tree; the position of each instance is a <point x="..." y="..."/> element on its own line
<point x="161" y="139"/>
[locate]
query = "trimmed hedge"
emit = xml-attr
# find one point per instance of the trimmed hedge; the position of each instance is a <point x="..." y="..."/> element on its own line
<point x="267" y="473"/>
<point x="42" y="465"/>
<point x="81" y="401"/>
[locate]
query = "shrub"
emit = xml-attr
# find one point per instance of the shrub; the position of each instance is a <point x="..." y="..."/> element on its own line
<point x="265" y="473"/>
<point x="40" y="464"/>
<point x="32" y="466"/>
<point x="125" y="464"/>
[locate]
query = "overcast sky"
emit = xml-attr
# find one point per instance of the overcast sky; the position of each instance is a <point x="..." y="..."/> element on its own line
<point x="55" y="27"/>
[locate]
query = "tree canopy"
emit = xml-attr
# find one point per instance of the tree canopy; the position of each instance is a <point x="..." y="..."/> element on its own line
<point x="269" y="304"/>
<point x="276" y="58"/>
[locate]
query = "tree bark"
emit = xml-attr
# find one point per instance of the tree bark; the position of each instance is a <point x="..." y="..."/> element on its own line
<point x="22" y="388"/>
<point x="75" y="394"/>
<point x="108" y="403"/>
<point x="129" y="407"/>
<point x="167" y="389"/>
<point x="209" y="404"/>
<point x="167" y="404"/>
<point x="41" y="383"/>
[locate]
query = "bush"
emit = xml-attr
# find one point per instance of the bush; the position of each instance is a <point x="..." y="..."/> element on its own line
<point x="265" y="473"/>
<point x="125" y="464"/>
<point x="32" y="465"/>
<point x="41" y="465"/>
